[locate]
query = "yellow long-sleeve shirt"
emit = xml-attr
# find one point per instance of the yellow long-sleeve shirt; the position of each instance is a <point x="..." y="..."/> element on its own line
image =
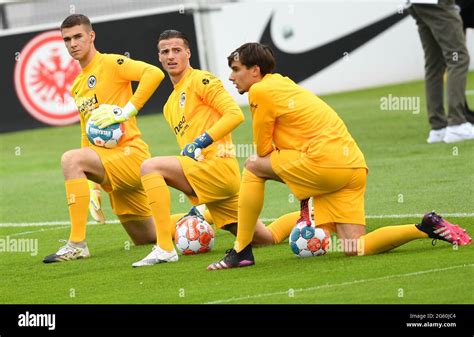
<point x="287" y="116"/>
<point x="199" y="103"/>
<point x="107" y="80"/>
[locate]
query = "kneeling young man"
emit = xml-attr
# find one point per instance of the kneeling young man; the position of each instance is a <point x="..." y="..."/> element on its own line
<point x="103" y="92"/>
<point x="202" y="115"/>
<point x="302" y="142"/>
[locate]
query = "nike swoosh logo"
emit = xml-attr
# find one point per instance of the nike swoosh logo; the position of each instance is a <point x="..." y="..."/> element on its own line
<point x="314" y="60"/>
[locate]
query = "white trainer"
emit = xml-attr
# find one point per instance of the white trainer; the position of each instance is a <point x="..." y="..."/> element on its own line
<point x="68" y="252"/>
<point x="458" y="133"/>
<point x="436" y="136"/>
<point x="156" y="256"/>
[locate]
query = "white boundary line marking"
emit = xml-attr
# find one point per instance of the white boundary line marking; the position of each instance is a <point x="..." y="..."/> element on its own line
<point x="48" y="223"/>
<point x="382" y="216"/>
<point x="46" y="229"/>
<point x="343" y="284"/>
<point x="38" y="231"/>
<point x="397" y="216"/>
<point x="419" y="215"/>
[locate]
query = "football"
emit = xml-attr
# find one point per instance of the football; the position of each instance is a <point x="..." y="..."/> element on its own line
<point x="108" y="137"/>
<point x="308" y="241"/>
<point x="193" y="236"/>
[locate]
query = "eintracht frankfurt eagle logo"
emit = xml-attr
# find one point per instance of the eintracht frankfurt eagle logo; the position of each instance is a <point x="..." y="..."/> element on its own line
<point x="44" y="74"/>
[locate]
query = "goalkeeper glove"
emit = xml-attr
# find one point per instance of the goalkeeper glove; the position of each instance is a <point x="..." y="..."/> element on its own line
<point x="194" y="149"/>
<point x="107" y="114"/>
<point x="194" y="211"/>
<point x="95" y="202"/>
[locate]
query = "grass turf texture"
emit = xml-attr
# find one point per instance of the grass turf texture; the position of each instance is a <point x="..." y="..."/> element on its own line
<point x="406" y="176"/>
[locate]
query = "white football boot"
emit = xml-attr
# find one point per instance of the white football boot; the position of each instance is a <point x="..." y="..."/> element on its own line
<point x="156" y="256"/>
<point x="70" y="251"/>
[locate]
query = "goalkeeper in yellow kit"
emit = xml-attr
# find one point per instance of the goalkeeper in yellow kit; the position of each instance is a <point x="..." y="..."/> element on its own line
<point x="202" y="115"/>
<point x="302" y="142"/>
<point x="103" y="92"/>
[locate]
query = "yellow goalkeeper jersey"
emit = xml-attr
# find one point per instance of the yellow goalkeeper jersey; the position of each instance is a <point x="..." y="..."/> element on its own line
<point x="199" y="103"/>
<point x="107" y="80"/>
<point x="287" y="116"/>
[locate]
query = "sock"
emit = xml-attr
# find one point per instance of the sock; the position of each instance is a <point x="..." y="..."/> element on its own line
<point x="389" y="237"/>
<point x="174" y="219"/>
<point x="160" y="204"/>
<point x="208" y="217"/>
<point x="281" y="227"/>
<point x="251" y="197"/>
<point x="77" y="195"/>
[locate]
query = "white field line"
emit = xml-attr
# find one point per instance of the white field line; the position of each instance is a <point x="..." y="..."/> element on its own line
<point x="397" y="216"/>
<point x="343" y="284"/>
<point x="47" y="223"/>
<point x="38" y="231"/>
<point x="382" y="216"/>
<point x="469" y="92"/>
<point x="48" y="229"/>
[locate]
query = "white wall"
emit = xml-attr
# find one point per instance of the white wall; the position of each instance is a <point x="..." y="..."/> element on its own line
<point x="391" y="57"/>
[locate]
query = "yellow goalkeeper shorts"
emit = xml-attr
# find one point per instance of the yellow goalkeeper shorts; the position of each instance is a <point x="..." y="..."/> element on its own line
<point x="122" y="178"/>
<point x="338" y="193"/>
<point x="216" y="182"/>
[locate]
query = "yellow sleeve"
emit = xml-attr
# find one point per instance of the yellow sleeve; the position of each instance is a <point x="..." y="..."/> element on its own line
<point x="148" y="76"/>
<point x="263" y="119"/>
<point x="212" y="91"/>
<point x="84" y="140"/>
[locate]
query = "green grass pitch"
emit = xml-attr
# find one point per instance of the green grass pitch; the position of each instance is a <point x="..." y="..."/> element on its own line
<point x="406" y="177"/>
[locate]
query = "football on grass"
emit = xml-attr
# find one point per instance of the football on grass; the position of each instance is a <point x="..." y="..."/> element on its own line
<point x="193" y="236"/>
<point x="308" y="241"/>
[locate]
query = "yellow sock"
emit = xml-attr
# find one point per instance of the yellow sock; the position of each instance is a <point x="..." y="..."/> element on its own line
<point x="251" y="197"/>
<point x="281" y="227"/>
<point x="160" y="204"/>
<point x="77" y="194"/>
<point x="389" y="237"/>
<point x="174" y="219"/>
<point x="208" y="217"/>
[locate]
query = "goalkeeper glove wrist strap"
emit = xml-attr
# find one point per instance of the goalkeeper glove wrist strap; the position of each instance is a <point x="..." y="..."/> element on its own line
<point x="203" y="140"/>
<point x="129" y="111"/>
